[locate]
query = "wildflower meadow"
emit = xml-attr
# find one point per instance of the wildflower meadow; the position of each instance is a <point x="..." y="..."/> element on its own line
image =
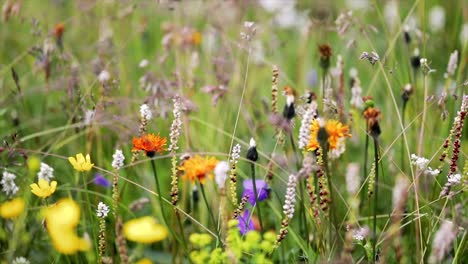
<point x="234" y="131"/>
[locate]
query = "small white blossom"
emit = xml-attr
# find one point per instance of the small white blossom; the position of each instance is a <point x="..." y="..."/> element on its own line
<point x="102" y="210"/>
<point x="360" y="234"/>
<point x="432" y="172"/>
<point x="304" y="130"/>
<point x="235" y="154"/>
<point x="220" y="172"/>
<point x="89" y="117"/>
<point x="252" y="143"/>
<point x="452" y="64"/>
<point x="176" y="125"/>
<point x="420" y="162"/>
<point x="118" y="159"/>
<point x="437" y="18"/>
<point x="145" y="112"/>
<point x="454" y="179"/>
<point x="46" y="172"/>
<point x="442" y="242"/>
<point x="290" y="197"/>
<point x="352" y="178"/>
<point x="20" y="260"/>
<point x="104" y="76"/>
<point x="356" y="94"/>
<point x="143" y="63"/>
<point x="8" y="183"/>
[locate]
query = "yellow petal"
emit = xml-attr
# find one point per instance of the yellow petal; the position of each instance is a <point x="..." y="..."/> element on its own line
<point x="88" y="158"/>
<point x="80" y="158"/>
<point x="72" y="160"/>
<point x="43" y="184"/>
<point x="53" y="186"/>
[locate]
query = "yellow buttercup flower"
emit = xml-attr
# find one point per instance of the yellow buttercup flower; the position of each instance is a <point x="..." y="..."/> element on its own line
<point x="43" y="189"/>
<point x="144" y="230"/>
<point x="80" y="163"/>
<point x="144" y="261"/>
<point x="61" y="221"/>
<point x="12" y="209"/>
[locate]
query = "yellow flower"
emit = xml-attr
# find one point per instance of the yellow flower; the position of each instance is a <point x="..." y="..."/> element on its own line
<point x="144" y="261"/>
<point x="12" y="209"/>
<point x="80" y="164"/>
<point x="43" y="190"/>
<point x="61" y="221"/>
<point x="335" y="131"/>
<point x="144" y="230"/>
<point x="198" y="168"/>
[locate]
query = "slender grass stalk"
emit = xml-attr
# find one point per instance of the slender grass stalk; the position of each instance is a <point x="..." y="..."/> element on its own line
<point x="252" y="169"/>
<point x="202" y="189"/>
<point x="376" y="194"/>
<point x="160" y="199"/>
<point x="402" y="149"/>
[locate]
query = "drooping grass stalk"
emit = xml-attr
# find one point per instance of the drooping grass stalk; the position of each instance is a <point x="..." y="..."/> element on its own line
<point x="160" y="199"/>
<point x="376" y="194"/>
<point x="202" y="189"/>
<point x="252" y="169"/>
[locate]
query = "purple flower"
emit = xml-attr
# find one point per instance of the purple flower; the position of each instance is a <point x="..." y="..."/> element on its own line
<point x="245" y="224"/>
<point x="101" y="180"/>
<point x="263" y="190"/>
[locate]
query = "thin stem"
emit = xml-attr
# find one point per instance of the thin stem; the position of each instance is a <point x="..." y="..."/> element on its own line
<point x="252" y="169"/>
<point x="376" y="193"/>
<point x="402" y="141"/>
<point x="208" y="206"/>
<point x="366" y="148"/>
<point x="160" y="199"/>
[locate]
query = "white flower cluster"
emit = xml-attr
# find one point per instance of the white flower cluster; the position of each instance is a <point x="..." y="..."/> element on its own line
<point x="143" y="63"/>
<point x="421" y="164"/>
<point x="102" y="210"/>
<point x="400" y="191"/>
<point x="220" y="172"/>
<point x="443" y="239"/>
<point x="454" y="179"/>
<point x="46" y="172"/>
<point x="235" y="154"/>
<point x="20" y="260"/>
<point x="145" y="112"/>
<point x="360" y="234"/>
<point x="8" y="183"/>
<point x="118" y="159"/>
<point x="104" y="76"/>
<point x="290" y="197"/>
<point x="352" y="179"/>
<point x="452" y="64"/>
<point x="176" y="125"/>
<point x="304" y="130"/>
<point x="356" y="92"/>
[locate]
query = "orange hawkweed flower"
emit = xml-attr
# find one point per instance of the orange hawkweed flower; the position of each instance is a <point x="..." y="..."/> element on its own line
<point x="198" y="168"/>
<point x="150" y="144"/>
<point x="335" y="131"/>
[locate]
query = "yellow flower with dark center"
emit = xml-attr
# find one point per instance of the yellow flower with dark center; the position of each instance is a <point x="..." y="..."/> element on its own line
<point x="335" y="131"/>
<point x="80" y="163"/>
<point x="61" y="221"/>
<point x="144" y="230"/>
<point x="12" y="209"/>
<point x="198" y="168"/>
<point x="43" y="189"/>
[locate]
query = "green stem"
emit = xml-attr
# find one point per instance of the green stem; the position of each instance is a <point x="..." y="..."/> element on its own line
<point x="160" y="199"/>
<point x="402" y="141"/>
<point x="202" y="189"/>
<point x="376" y="193"/>
<point x="252" y="168"/>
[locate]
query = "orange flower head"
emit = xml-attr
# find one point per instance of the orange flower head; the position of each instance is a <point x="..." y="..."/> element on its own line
<point x="59" y="28"/>
<point x="150" y="144"/>
<point x="325" y="51"/>
<point x="335" y="131"/>
<point x="198" y="168"/>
